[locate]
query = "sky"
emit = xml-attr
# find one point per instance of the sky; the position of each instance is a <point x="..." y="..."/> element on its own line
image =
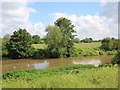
<point x="91" y="19"/>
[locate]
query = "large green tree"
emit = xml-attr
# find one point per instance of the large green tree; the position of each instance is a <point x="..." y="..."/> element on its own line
<point x="19" y="45"/>
<point x="61" y="37"/>
<point x="53" y="39"/>
<point x="67" y="29"/>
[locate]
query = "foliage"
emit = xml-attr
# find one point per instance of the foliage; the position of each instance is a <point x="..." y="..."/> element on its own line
<point x="67" y="30"/>
<point x="53" y="39"/>
<point x="39" y="46"/>
<point x="19" y="45"/>
<point x="60" y="38"/>
<point x="109" y="44"/>
<point x="63" y="77"/>
<point x="36" y="39"/>
<point x="4" y="48"/>
<point x="87" y="40"/>
<point x="116" y="59"/>
<point x="7" y="37"/>
<point x="83" y="49"/>
<point x="40" y="54"/>
<point x="4" y="41"/>
<point x="76" y="40"/>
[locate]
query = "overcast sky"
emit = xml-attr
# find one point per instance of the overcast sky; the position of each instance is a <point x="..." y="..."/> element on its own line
<point x="91" y="19"/>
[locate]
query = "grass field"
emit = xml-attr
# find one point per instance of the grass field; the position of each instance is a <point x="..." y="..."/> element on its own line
<point x="74" y="76"/>
<point x="84" y="49"/>
<point x="76" y="45"/>
<point x="87" y="45"/>
<point x="39" y="46"/>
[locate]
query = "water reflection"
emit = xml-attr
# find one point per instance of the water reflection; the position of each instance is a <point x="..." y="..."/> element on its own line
<point x="45" y="64"/>
<point x="92" y="62"/>
<point x="10" y="65"/>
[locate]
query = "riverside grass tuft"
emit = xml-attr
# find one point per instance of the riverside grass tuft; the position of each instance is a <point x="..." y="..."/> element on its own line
<point x="73" y="76"/>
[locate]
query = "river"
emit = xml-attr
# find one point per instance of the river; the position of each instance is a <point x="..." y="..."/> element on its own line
<point x="22" y="64"/>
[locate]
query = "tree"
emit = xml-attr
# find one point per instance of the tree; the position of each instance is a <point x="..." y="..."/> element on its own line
<point x="4" y="48"/>
<point x="19" y="45"/>
<point x="105" y="44"/>
<point x="110" y="44"/>
<point x="76" y="40"/>
<point x="53" y="39"/>
<point x="116" y="60"/>
<point x="87" y="40"/>
<point x="67" y="30"/>
<point x="36" y="39"/>
<point x="60" y="38"/>
<point x="7" y="36"/>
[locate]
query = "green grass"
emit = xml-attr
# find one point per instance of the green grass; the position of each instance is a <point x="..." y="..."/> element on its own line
<point x="39" y="46"/>
<point x="87" y="45"/>
<point x="74" y="76"/>
<point x="76" y="45"/>
<point x="83" y="49"/>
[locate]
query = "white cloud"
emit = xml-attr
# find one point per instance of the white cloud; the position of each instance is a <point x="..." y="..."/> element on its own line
<point x="104" y="24"/>
<point x="16" y="15"/>
<point x="90" y="26"/>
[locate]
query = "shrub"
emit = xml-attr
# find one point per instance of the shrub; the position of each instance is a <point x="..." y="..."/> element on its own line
<point x="116" y="59"/>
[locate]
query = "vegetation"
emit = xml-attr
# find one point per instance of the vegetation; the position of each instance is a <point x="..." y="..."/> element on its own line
<point x="59" y="42"/>
<point x="74" y="76"/>
<point x="116" y="59"/>
<point x="36" y="39"/>
<point x="4" y="48"/>
<point x="76" y="40"/>
<point x="39" y="46"/>
<point x="60" y="38"/>
<point x="87" y="40"/>
<point x="109" y="44"/>
<point x="19" y="45"/>
<point x="83" y="49"/>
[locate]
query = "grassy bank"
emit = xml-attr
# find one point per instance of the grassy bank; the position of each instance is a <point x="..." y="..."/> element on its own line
<point x="74" y="76"/>
<point x="76" y="45"/>
<point x="83" y="49"/>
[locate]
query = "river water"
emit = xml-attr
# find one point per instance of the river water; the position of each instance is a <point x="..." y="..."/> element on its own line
<point x="21" y="64"/>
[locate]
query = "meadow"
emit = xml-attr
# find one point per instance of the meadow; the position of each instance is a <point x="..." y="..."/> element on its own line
<point x="73" y="76"/>
<point x="84" y="49"/>
<point x="76" y="45"/>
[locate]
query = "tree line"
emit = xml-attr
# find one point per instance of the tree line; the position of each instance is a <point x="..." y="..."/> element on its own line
<point x="60" y="40"/>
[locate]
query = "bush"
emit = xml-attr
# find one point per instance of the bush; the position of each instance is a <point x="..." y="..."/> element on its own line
<point x="40" y="54"/>
<point x="116" y="59"/>
<point x="111" y="52"/>
<point x="76" y="52"/>
<point x="4" y="49"/>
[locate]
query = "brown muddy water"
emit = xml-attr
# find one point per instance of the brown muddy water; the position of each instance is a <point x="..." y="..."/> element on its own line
<point x="22" y="64"/>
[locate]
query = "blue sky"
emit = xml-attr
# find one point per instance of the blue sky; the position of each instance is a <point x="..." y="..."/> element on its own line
<point x="44" y="10"/>
<point x="91" y="19"/>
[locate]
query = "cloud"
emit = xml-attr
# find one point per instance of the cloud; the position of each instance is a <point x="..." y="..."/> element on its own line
<point x="16" y="15"/>
<point x="110" y="11"/>
<point x="90" y="26"/>
<point x="103" y="24"/>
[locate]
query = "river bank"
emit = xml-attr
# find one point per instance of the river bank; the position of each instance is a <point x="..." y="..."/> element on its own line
<point x="73" y="76"/>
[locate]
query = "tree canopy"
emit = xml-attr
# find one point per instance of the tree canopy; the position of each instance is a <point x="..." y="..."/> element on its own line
<point x="110" y="44"/>
<point x="87" y="40"/>
<point x="19" y="45"/>
<point x="60" y="37"/>
<point x="36" y="39"/>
